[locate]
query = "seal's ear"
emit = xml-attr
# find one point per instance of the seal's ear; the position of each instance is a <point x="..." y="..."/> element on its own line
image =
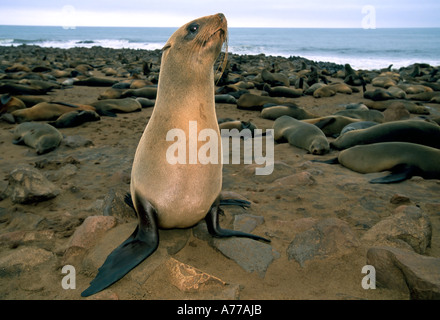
<point x="166" y="47"/>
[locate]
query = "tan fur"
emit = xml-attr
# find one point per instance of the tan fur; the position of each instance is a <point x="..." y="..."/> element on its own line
<point x="181" y="194"/>
<point x="46" y="111"/>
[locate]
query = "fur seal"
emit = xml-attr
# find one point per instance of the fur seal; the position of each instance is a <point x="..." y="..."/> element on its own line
<point x="282" y="91"/>
<point x="414" y="88"/>
<point x="95" y="82"/>
<point x="324" y="92"/>
<point x="364" y="115"/>
<point x="357" y="126"/>
<point x="110" y="107"/>
<point x="75" y="118"/>
<point x="47" y="111"/>
<point x="410" y="106"/>
<point x="237" y="124"/>
<point x="275" y="79"/>
<point x="145" y="102"/>
<point x="18" y="89"/>
<point x="378" y="95"/>
<point x="249" y="101"/>
<point x="414" y="131"/>
<point x="383" y="82"/>
<point x="425" y="96"/>
<point x="31" y="101"/>
<point x="40" y="136"/>
<point x="9" y="104"/>
<point x="167" y="195"/>
<point x="225" y="98"/>
<point x="403" y="159"/>
<point x="331" y="125"/>
<point x="289" y="109"/>
<point x="145" y="92"/>
<point x="301" y="134"/>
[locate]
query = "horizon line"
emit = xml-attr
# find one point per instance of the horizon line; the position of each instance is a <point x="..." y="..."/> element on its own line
<point x="269" y="27"/>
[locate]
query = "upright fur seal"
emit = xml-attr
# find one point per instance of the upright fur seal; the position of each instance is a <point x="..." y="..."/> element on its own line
<point x="176" y="195"/>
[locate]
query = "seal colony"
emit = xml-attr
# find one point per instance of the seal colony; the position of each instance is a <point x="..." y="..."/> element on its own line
<point x="92" y="164"/>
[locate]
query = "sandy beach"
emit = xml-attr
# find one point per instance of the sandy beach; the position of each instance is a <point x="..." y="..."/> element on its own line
<point x="336" y="210"/>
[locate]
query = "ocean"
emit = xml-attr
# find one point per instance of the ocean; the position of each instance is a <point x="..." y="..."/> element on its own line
<point x="361" y="48"/>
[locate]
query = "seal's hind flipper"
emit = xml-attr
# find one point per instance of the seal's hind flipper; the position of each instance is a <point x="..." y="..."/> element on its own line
<point x="399" y="173"/>
<point x="216" y="231"/>
<point x="235" y="202"/>
<point x="141" y="244"/>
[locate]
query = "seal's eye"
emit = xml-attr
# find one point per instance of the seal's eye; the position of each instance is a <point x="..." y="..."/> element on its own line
<point x="193" y="28"/>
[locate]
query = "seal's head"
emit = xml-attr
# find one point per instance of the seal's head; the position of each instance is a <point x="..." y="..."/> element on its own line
<point x="198" y="42"/>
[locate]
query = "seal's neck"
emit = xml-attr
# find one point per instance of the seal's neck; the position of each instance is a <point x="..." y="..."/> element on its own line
<point x="185" y="87"/>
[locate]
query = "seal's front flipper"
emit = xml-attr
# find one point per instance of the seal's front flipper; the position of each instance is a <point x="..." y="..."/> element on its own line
<point x="399" y="173"/>
<point x="330" y="161"/>
<point x="216" y="231"/>
<point x="141" y="244"/>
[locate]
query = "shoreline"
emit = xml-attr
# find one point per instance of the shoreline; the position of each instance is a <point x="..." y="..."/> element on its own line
<point x="324" y="63"/>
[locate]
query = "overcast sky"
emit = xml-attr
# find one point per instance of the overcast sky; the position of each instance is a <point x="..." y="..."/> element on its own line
<point x="240" y="13"/>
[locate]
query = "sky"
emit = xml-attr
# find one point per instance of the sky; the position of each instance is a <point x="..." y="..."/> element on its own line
<point x="240" y="13"/>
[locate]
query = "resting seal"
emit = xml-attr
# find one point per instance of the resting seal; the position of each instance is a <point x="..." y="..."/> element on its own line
<point x="40" y="136"/>
<point x="47" y="111"/>
<point x="176" y="195"/>
<point x="414" y="131"/>
<point x="301" y="134"/>
<point x="403" y="159"/>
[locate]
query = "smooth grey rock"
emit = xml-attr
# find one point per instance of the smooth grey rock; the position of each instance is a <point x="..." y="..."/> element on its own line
<point x="328" y="237"/>
<point x="247" y="222"/>
<point x="406" y="271"/>
<point x="408" y="228"/>
<point x="249" y="254"/>
<point x="29" y="185"/>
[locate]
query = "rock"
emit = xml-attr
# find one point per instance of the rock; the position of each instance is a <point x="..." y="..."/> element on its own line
<point x="406" y="271"/>
<point x="22" y="260"/>
<point x="249" y="254"/>
<point x="170" y="242"/>
<point x="19" y="220"/>
<point x="408" y="228"/>
<point x="399" y="199"/>
<point x="298" y="179"/>
<point x="114" y="205"/>
<point x="247" y="222"/>
<point x="189" y="279"/>
<point x="64" y="173"/>
<point x="93" y="227"/>
<point x="29" y="185"/>
<point x="15" y="238"/>
<point x="77" y="142"/>
<point x="280" y="170"/>
<point x="329" y="237"/>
